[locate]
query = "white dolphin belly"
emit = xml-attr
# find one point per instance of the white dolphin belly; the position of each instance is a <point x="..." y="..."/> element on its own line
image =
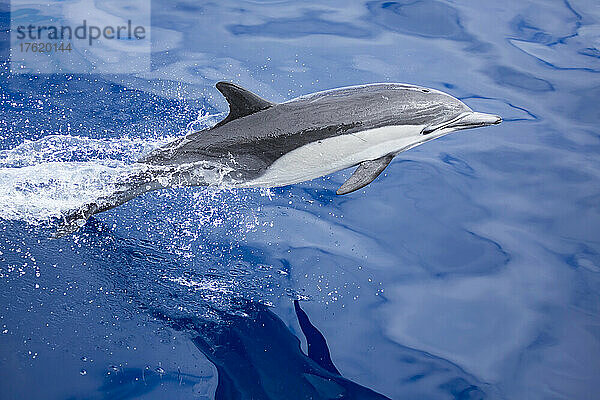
<point x="326" y="156"/>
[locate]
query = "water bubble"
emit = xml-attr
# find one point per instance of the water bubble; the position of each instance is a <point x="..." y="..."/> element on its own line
<point x="83" y="358"/>
<point x="83" y="372"/>
<point x="160" y="370"/>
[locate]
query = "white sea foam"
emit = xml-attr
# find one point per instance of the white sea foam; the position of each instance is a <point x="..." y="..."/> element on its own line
<point x="44" y="179"/>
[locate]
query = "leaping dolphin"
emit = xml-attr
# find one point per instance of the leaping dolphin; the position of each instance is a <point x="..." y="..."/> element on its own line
<point x="264" y="144"/>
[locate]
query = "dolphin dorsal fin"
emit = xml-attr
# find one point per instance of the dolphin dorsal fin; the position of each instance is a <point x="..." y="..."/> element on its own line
<point x="366" y="173"/>
<point x="242" y="102"/>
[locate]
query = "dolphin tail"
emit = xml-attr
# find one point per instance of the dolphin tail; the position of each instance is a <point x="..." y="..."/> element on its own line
<point x="73" y="220"/>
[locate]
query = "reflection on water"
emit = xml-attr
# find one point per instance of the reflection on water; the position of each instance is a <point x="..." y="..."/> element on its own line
<point x="470" y="269"/>
<point x="256" y="356"/>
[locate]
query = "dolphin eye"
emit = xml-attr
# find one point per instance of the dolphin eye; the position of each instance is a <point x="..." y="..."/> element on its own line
<point x="425" y="90"/>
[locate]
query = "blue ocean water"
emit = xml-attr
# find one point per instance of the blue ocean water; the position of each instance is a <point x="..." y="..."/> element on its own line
<point x="470" y="269"/>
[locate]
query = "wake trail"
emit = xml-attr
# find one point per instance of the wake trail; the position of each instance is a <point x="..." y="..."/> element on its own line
<point x="46" y="179"/>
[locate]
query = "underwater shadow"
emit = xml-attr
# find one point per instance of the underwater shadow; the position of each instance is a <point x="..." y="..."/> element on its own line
<point x="258" y="357"/>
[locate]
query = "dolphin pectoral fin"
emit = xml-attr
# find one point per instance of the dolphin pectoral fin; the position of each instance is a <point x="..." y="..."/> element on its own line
<point x="366" y="173"/>
<point x="242" y="102"/>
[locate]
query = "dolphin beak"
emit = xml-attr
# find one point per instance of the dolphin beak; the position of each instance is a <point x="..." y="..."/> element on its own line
<point x="475" y="119"/>
<point x="465" y="121"/>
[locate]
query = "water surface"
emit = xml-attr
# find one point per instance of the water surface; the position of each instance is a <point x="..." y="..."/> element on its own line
<point x="469" y="270"/>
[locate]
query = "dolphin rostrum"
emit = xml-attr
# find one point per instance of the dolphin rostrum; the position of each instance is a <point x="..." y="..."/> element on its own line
<point x="264" y="144"/>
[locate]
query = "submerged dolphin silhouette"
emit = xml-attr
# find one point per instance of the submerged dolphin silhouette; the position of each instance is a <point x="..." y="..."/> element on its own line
<point x="257" y="354"/>
<point x="258" y="357"/>
<point x="263" y="144"/>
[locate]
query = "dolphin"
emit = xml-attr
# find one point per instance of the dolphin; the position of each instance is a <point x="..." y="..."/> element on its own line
<point x="266" y="144"/>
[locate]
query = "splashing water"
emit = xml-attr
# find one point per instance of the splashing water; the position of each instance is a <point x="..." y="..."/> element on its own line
<point x="204" y="121"/>
<point x="44" y="179"/>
